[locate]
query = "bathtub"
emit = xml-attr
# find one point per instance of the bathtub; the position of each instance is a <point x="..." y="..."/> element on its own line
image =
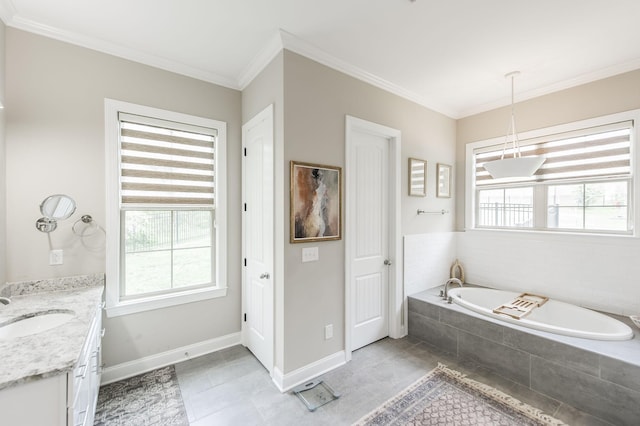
<point x="553" y="316"/>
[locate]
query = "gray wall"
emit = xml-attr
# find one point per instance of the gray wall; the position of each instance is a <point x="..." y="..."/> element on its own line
<point x="3" y="195"/>
<point x="55" y="144"/>
<point x="316" y="101"/>
<point x="573" y="268"/>
<point x="602" y="97"/>
<point x="266" y="89"/>
<point x="310" y="104"/>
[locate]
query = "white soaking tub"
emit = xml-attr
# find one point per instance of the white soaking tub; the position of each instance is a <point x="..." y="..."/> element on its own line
<point x="552" y="316"/>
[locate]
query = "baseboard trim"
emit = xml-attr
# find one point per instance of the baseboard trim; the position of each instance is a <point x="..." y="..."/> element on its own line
<point x="152" y="362"/>
<point x="286" y="382"/>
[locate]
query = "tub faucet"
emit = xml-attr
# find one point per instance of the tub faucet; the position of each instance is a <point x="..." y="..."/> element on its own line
<point x="5" y="300"/>
<point x="445" y="293"/>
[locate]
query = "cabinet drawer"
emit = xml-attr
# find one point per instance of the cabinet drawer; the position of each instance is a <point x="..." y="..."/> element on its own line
<point x="83" y="367"/>
<point x="84" y="379"/>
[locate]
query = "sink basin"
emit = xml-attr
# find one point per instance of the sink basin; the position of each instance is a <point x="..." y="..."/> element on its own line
<point x="35" y="323"/>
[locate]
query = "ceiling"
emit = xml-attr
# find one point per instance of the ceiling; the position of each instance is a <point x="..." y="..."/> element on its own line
<point x="448" y="55"/>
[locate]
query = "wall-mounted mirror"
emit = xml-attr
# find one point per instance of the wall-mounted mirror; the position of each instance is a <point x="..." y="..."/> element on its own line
<point x="54" y="208"/>
<point x="417" y="177"/>
<point x="58" y="207"/>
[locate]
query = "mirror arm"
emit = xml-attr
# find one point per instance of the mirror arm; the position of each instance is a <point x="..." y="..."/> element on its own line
<point x="45" y="224"/>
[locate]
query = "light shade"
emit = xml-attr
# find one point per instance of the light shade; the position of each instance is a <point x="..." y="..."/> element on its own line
<point x="514" y="167"/>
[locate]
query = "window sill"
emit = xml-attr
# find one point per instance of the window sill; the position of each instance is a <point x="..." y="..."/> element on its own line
<point x="561" y="235"/>
<point x="164" y="301"/>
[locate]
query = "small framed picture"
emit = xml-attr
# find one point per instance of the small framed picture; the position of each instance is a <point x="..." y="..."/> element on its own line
<point x="316" y="203"/>
<point x="417" y="177"/>
<point x="443" y="189"/>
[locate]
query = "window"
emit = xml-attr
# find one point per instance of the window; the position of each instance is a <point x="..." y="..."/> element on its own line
<point x="585" y="184"/>
<point x="506" y="207"/>
<point x="166" y="224"/>
<point x="598" y="206"/>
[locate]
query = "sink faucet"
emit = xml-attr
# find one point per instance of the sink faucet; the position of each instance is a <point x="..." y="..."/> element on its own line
<point x="5" y="300"/>
<point x="445" y="293"/>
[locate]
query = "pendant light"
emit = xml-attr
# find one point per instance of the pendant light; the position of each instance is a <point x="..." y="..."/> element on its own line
<point x="516" y="166"/>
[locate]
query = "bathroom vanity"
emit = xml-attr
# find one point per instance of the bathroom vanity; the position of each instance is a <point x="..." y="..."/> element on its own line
<point x="51" y="376"/>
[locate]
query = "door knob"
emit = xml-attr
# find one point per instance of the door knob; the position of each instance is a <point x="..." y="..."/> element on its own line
<point x="387" y="262"/>
<point x="264" y="275"/>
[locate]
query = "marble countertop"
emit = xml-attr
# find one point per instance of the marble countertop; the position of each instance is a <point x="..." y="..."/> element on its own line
<point x="52" y="352"/>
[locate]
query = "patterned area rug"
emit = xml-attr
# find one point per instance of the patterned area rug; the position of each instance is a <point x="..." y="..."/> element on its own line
<point x="152" y="398"/>
<point x="446" y="397"/>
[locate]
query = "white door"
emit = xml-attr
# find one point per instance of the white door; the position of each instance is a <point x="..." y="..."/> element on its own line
<point x="368" y="199"/>
<point x="258" y="186"/>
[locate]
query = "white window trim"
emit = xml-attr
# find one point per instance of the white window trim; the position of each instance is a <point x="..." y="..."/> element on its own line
<point x="470" y="189"/>
<point x="114" y="306"/>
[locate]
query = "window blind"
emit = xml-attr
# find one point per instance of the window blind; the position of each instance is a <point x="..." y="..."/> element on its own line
<point x="166" y="163"/>
<point x="598" y="152"/>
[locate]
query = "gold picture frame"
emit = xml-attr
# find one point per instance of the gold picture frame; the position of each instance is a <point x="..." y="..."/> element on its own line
<point x="443" y="189"/>
<point x="417" y="177"/>
<point x="315" y="202"/>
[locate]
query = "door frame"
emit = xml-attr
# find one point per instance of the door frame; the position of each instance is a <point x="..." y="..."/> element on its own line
<point x="396" y="312"/>
<point x="265" y="114"/>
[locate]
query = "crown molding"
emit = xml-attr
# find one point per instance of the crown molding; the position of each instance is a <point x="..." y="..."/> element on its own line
<point x="586" y="78"/>
<point x="281" y="40"/>
<point x="18" y="22"/>
<point x="285" y="40"/>
<point x="260" y="61"/>
<point x="294" y="44"/>
<point x="7" y="11"/>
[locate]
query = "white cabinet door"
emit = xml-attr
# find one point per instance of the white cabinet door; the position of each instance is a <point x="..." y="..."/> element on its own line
<point x="84" y="380"/>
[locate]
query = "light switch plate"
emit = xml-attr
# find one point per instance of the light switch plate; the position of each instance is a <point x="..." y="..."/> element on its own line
<point x="328" y="332"/>
<point x="310" y="254"/>
<point x="56" y="257"/>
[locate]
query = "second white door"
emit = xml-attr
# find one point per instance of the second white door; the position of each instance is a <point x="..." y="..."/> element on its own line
<point x="368" y="200"/>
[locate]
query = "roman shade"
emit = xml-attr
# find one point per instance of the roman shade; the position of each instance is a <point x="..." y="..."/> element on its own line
<point x="166" y="163"/>
<point x="597" y="152"/>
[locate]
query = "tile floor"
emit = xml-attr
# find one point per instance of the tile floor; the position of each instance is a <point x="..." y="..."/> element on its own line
<point x="230" y="387"/>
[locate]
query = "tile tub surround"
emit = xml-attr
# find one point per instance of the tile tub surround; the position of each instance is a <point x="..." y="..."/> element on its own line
<point x="55" y="351"/>
<point x="598" y="377"/>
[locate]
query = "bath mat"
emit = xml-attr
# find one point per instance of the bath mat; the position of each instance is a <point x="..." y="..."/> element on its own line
<point x="446" y="397"/>
<point x="152" y="398"/>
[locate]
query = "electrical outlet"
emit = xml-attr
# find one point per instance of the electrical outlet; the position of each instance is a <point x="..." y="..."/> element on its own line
<point x="56" y="257"/>
<point x="328" y="332"/>
<point x="310" y="254"/>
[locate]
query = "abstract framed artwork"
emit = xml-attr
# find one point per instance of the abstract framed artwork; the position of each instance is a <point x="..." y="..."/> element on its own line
<point x="316" y="203"/>
<point x="444" y="181"/>
<point x="417" y="177"/>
